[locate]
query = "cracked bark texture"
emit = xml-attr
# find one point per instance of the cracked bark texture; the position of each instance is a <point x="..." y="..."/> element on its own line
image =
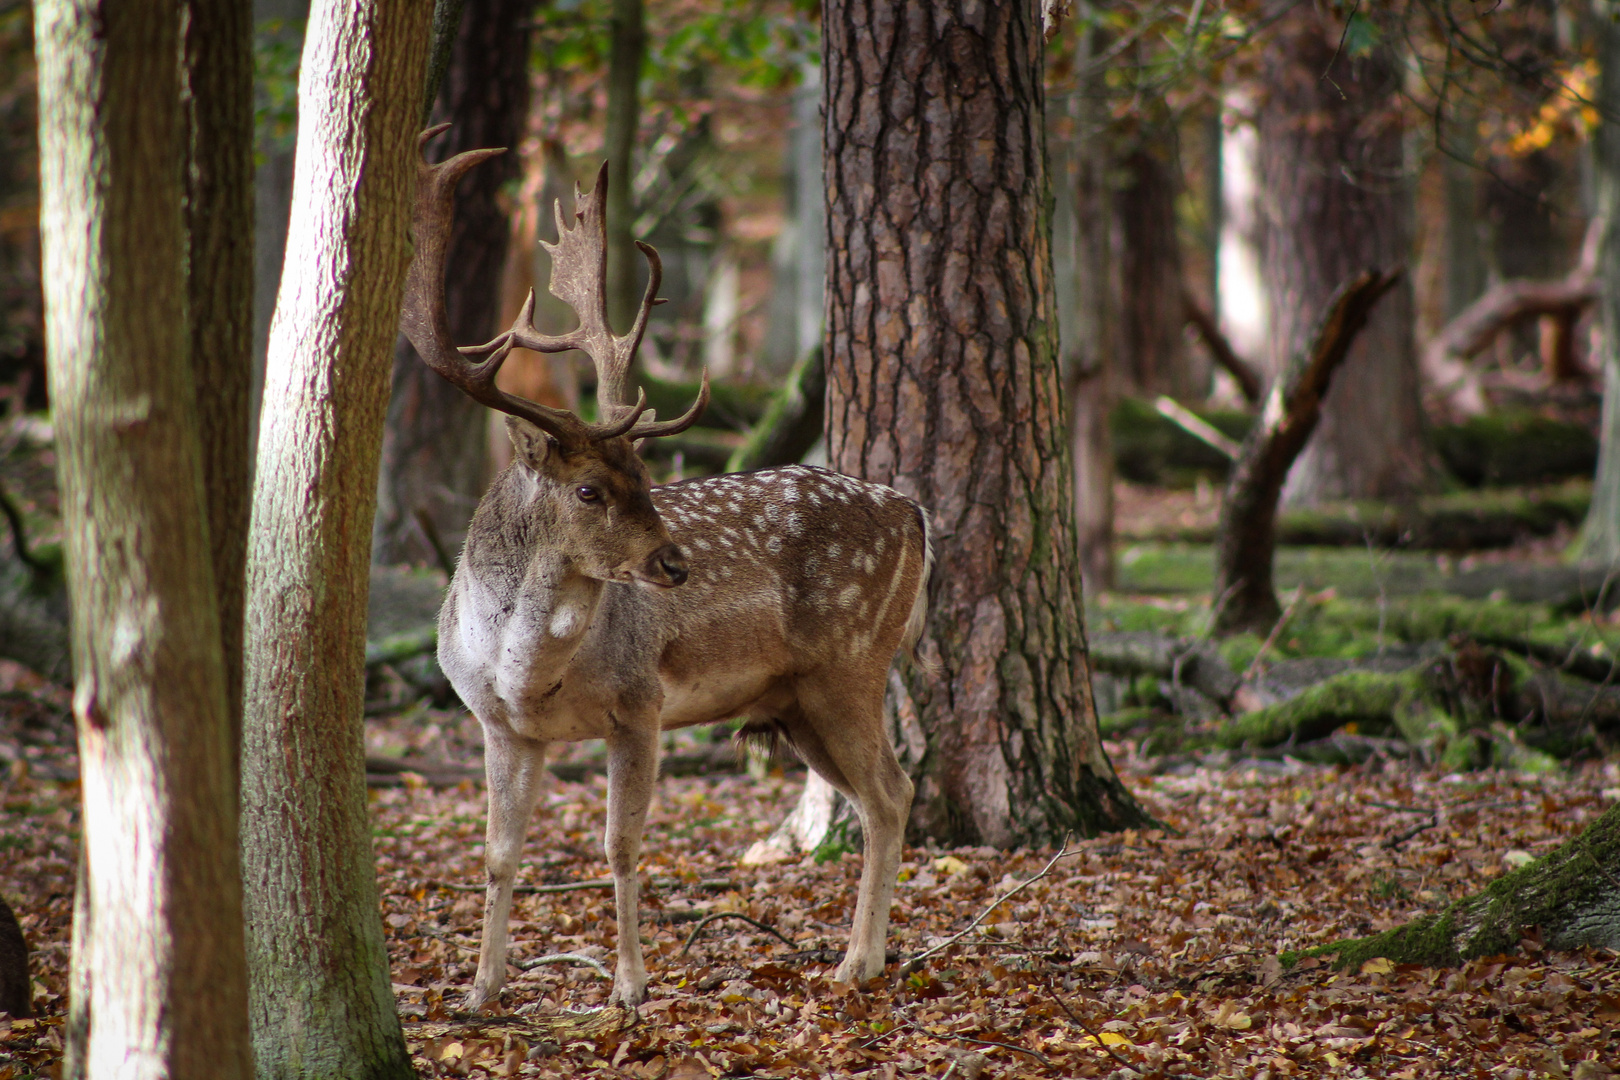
<point x="320" y="998"/>
<point x="157" y="913"/>
<point x="435" y="457"/>
<point x="1337" y="201"/>
<point x="942" y="365"/>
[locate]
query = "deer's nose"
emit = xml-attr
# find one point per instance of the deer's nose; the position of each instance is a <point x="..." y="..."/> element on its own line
<point x="669" y="561"/>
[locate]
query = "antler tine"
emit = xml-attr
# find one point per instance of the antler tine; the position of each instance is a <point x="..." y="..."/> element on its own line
<point x="654" y="428"/>
<point x="423" y="317"/>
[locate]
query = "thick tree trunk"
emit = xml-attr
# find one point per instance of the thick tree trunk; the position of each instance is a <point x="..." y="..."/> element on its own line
<point x="1601" y="537"/>
<point x="321" y="1002"/>
<point x="1332" y="169"/>
<point x="943" y="381"/>
<point x="435" y="458"/>
<point x="1570" y="893"/>
<point x="1153" y="349"/>
<point x="626" y="52"/>
<point x="158" y="982"/>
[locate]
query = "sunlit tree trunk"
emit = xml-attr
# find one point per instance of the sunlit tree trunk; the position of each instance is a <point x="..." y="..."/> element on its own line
<point x="159" y="987"/>
<point x="1601" y="538"/>
<point x="942" y="365"/>
<point x="434" y="459"/>
<point x="1333" y="174"/>
<point x="321" y="1001"/>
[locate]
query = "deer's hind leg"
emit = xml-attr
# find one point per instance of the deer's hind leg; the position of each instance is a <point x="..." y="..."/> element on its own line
<point x="839" y="732"/>
<point x="515" y="768"/>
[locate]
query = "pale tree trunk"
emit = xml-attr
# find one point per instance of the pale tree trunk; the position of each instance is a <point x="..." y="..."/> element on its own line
<point x="158" y="981"/>
<point x="434" y="458"/>
<point x="1601" y="537"/>
<point x="1332" y="171"/>
<point x="942" y="370"/>
<point x="626" y="52"/>
<point x="321" y="1002"/>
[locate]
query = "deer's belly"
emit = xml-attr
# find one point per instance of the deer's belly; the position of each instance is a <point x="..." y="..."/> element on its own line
<point x="721" y="694"/>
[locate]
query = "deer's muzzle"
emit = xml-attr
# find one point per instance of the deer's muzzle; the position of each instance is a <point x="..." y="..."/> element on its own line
<point x="666" y="566"/>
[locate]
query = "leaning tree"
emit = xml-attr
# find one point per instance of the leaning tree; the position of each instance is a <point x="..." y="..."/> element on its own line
<point x="943" y="382"/>
<point x="320" y="998"/>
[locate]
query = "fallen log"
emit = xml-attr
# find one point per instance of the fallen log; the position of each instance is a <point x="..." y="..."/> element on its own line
<point x="1571" y="894"/>
<point x="1246" y="544"/>
<point x="792" y="421"/>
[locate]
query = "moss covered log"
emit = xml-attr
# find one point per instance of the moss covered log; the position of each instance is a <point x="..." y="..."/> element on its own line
<point x="1572" y="894"/>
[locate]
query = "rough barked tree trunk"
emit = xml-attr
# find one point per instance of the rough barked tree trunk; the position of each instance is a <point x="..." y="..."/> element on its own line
<point x="159" y="981"/>
<point x="1601" y="537"/>
<point x="321" y="1002"/>
<point x="435" y="459"/>
<point x="943" y="382"/>
<point x="1570" y="893"/>
<point x="1339" y="201"/>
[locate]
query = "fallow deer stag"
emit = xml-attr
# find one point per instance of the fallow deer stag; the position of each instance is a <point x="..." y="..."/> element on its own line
<point x="564" y="620"/>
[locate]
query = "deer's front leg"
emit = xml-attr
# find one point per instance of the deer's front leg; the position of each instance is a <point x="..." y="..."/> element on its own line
<point x="515" y="768"/>
<point x="632" y="772"/>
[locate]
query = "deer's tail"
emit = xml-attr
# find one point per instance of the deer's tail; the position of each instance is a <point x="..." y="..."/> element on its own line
<point x="919" y="606"/>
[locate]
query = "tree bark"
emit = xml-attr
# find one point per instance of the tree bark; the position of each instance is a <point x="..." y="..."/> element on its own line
<point x="1570" y="893"/>
<point x="435" y="455"/>
<point x="626" y="52"/>
<point x="943" y="382"/>
<point x="321" y="1002"/>
<point x="1600" y="541"/>
<point x="158" y="980"/>
<point x="1332" y="168"/>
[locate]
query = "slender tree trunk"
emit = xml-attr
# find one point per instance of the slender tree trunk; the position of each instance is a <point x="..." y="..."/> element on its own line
<point x="1332" y="168"/>
<point x="218" y="98"/>
<point x="435" y="454"/>
<point x="627" y="51"/>
<point x="321" y="1002"/>
<point x="1090" y="317"/>
<point x="272" y="197"/>
<point x="942" y="365"/>
<point x="1601" y="536"/>
<point x="159" y="983"/>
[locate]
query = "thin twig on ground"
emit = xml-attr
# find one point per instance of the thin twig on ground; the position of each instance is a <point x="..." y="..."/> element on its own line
<point x="706" y="920"/>
<point x="915" y="963"/>
<point x="566" y="958"/>
<point x="1036" y="1054"/>
<point x="1255" y="668"/>
<point x="1402" y="837"/>
<point x="1081" y="1024"/>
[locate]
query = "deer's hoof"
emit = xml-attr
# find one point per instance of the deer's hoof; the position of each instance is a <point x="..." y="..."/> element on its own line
<point x="627" y="992"/>
<point x="857" y="969"/>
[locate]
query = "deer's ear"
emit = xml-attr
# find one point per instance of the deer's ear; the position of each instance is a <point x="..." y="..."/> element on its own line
<point x="533" y="446"/>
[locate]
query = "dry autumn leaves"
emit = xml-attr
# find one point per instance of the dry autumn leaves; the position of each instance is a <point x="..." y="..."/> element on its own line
<point x="1151" y="953"/>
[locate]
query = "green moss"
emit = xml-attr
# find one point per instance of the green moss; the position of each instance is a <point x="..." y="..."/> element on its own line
<point x="1355" y="696"/>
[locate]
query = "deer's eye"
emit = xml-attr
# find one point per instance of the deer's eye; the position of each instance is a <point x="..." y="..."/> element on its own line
<point x="588" y="494"/>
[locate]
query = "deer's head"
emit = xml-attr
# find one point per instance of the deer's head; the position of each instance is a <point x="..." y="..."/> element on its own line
<point x="582" y="479"/>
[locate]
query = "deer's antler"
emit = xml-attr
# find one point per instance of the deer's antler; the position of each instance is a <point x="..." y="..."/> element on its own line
<point x="425" y="323"/>
<point x="579" y="279"/>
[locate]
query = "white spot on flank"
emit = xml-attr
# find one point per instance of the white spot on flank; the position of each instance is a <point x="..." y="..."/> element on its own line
<point x="849" y="595"/>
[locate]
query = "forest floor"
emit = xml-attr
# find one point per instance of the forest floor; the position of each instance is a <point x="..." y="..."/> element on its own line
<point x="1144" y="953"/>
